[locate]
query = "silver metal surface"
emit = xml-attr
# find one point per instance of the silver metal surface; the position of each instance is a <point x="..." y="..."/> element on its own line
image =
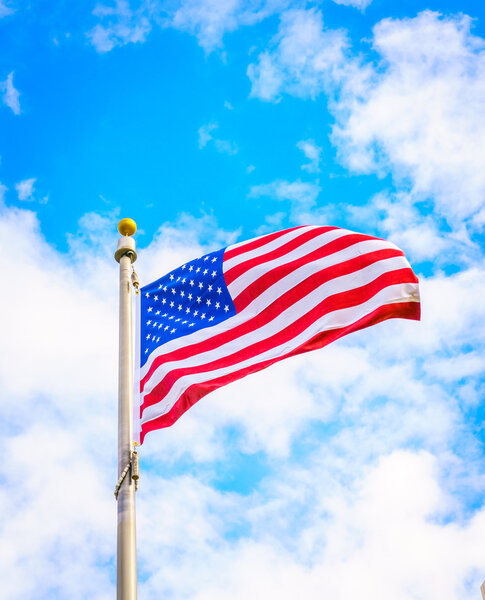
<point x="126" y="546"/>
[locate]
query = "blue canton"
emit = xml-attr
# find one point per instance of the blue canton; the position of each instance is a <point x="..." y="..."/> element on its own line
<point x="192" y="297"/>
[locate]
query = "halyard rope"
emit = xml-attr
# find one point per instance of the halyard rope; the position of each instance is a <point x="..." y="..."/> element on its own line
<point x="134" y="465"/>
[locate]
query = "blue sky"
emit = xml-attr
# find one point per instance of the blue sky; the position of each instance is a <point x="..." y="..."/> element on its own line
<point x="355" y="470"/>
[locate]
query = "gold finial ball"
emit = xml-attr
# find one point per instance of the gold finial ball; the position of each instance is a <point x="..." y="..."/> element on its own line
<point x="127" y="227"/>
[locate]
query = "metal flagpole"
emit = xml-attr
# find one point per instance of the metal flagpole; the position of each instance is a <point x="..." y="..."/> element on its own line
<point x="125" y="492"/>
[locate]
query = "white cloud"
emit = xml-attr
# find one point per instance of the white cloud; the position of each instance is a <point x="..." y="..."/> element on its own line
<point x="207" y="20"/>
<point x="304" y="57"/>
<point x="120" y="26"/>
<point x="301" y="194"/>
<point x="421" y="113"/>
<point x="5" y="9"/>
<point x="10" y="94"/>
<point x="25" y="189"/>
<point x="313" y="153"/>
<point x="360" y="4"/>
<point x="222" y="146"/>
<point x="210" y="20"/>
<point x="205" y="134"/>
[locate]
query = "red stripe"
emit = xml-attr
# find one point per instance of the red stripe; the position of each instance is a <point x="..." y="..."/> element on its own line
<point x="403" y="310"/>
<point x="257" y="243"/>
<point x="269" y="278"/>
<point x="330" y="304"/>
<point x="237" y="270"/>
<point x="272" y="310"/>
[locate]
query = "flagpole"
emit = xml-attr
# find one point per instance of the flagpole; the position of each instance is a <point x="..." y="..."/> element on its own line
<point x="126" y="534"/>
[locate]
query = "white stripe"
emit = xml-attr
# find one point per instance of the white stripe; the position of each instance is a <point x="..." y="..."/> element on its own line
<point x="267" y="297"/>
<point x="268" y="247"/>
<point x="335" y="320"/>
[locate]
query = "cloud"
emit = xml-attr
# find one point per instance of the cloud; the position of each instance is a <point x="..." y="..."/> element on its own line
<point x="303" y="57"/>
<point x="312" y="152"/>
<point x="5" y="9"/>
<point x="210" y="20"/>
<point x="10" y="94"/>
<point x="302" y="195"/>
<point x="420" y="114"/>
<point x="222" y="146"/>
<point x="120" y="26"/>
<point x="25" y="189"/>
<point x="360" y="4"/>
<point x="417" y="112"/>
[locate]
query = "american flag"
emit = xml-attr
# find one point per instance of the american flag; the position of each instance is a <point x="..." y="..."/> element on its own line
<point x="240" y="309"/>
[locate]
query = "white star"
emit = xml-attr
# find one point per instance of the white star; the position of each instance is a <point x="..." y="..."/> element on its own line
<point x="148" y="336"/>
<point x="179" y="307"/>
<point x="200" y="285"/>
<point x="146" y="350"/>
<point x="172" y="330"/>
<point x="150" y="309"/>
<point x="183" y="322"/>
<point x="155" y="298"/>
<point x="163" y="300"/>
<point x="178" y="278"/>
<point x="191" y="267"/>
<point x="211" y="319"/>
<point x="147" y="295"/>
<point x="165" y="315"/>
<point x="173" y="291"/>
<point x="165" y="289"/>
<point x="208" y="302"/>
<point x="213" y="273"/>
<point x="171" y="277"/>
<point x="219" y="291"/>
<point x="184" y="280"/>
<point x="171" y="317"/>
<point x="155" y="324"/>
<point x="209" y="287"/>
<point x="205" y="271"/>
<point x="217" y="304"/>
<point x="191" y="325"/>
<point x="160" y="326"/>
<point x="197" y="270"/>
<point x="177" y="320"/>
<point x="189" y="296"/>
<point x="196" y="312"/>
<point x="166" y="327"/>
<point x="206" y="258"/>
<point x="158" y="339"/>
<point x="202" y="316"/>
<point x="182" y="294"/>
<point x="191" y="282"/>
<point x="149" y="321"/>
<point x="171" y="304"/>
<point x="226" y="308"/>
<point x="160" y="286"/>
<point x="158" y="312"/>
<point x="214" y="259"/>
<point x="199" y="299"/>
<point x="183" y="267"/>
<point x="187" y="311"/>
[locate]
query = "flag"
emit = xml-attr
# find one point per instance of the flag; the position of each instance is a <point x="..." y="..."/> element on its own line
<point x="236" y="311"/>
